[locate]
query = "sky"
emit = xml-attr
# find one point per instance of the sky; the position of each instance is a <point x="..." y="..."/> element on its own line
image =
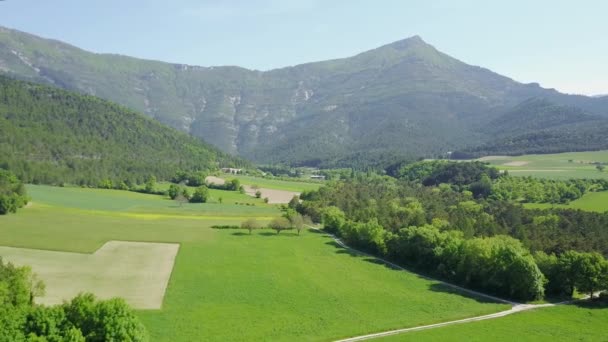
<point x="560" y="44"/>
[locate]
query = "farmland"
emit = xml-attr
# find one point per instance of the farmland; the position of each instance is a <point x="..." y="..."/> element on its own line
<point x="593" y="201"/>
<point x="296" y="186"/>
<point x="583" y="322"/>
<point x="553" y="166"/>
<point x="228" y="285"/>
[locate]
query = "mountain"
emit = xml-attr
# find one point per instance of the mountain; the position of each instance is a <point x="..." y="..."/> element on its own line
<point x="49" y="135"/>
<point x="540" y="126"/>
<point x="402" y="99"/>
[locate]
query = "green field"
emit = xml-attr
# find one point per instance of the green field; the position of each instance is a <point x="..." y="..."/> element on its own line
<point x="277" y="184"/>
<point x="562" y="323"/>
<point x="554" y="166"/>
<point x="228" y="285"/>
<point x="593" y="201"/>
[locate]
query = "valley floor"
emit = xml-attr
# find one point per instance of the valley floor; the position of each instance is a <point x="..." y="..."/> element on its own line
<point x="229" y="285"/>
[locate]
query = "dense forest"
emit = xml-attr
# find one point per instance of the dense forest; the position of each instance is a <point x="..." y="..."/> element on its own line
<point x="447" y="219"/>
<point x="52" y="136"/>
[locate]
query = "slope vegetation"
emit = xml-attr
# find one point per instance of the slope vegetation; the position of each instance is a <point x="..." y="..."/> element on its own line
<point x="48" y="135"/>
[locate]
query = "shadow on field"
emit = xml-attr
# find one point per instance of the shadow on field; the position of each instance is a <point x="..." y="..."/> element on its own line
<point x="595" y="303"/>
<point x="266" y="234"/>
<point x="288" y="234"/>
<point x="364" y="257"/>
<point x="440" y="287"/>
<point x="435" y="286"/>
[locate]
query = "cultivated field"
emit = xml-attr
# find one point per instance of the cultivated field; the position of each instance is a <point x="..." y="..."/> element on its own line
<point x="296" y="186"/>
<point x="585" y="322"/>
<point x="593" y="201"/>
<point x="277" y="191"/>
<point x="555" y="166"/>
<point x="228" y="285"/>
<point x="140" y="269"/>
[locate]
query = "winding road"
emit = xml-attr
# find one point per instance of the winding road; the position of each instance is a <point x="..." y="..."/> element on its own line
<point x="516" y="307"/>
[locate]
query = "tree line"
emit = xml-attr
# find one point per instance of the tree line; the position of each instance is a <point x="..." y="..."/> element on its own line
<point x="444" y="229"/>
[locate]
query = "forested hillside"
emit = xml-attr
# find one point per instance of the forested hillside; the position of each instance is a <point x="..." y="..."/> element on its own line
<point x="48" y="135"/>
<point x="541" y="126"/>
<point x="402" y="100"/>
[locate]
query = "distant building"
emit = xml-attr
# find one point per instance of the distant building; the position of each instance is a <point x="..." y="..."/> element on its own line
<point x="231" y="170"/>
<point x="319" y="177"/>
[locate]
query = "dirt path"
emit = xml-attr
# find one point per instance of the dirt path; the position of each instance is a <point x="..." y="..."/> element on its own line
<point x="517" y="307"/>
<point x="514" y="309"/>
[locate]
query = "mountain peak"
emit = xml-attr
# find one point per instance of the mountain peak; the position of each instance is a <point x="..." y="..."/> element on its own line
<point x="407" y="43"/>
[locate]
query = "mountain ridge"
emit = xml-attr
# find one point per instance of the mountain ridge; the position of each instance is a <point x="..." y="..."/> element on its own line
<point x="405" y="97"/>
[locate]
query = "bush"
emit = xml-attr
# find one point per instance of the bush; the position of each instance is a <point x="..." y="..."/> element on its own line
<point x="225" y="227"/>
<point x="200" y="195"/>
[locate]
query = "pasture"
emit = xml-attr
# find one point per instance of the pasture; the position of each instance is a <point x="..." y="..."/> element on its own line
<point x="229" y="285"/>
<point x="276" y="184"/>
<point x="553" y="166"/>
<point x="583" y="322"/>
<point x="592" y="201"/>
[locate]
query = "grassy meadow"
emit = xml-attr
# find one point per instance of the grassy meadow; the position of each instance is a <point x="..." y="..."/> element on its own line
<point x="553" y="166"/>
<point x="592" y="201"/>
<point x="277" y="184"/>
<point x="584" y="322"/>
<point x="229" y="285"/>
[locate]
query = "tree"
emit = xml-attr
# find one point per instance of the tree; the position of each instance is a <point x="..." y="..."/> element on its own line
<point x="12" y="193"/>
<point x="150" y="184"/>
<point x="590" y="268"/>
<point x="200" y="195"/>
<point x="333" y="219"/>
<point x="234" y="184"/>
<point x="174" y="190"/>
<point x="221" y="200"/>
<point x="297" y="221"/>
<point x="279" y="224"/>
<point x="294" y="203"/>
<point x="181" y="199"/>
<point x="110" y="320"/>
<point x="250" y="225"/>
<point x="600" y="167"/>
<point x="258" y="194"/>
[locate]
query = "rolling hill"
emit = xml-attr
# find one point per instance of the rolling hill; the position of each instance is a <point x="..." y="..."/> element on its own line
<point x="49" y="135"/>
<point x="402" y="99"/>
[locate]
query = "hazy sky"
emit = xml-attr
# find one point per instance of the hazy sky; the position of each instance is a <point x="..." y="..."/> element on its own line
<point x="561" y="44"/>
